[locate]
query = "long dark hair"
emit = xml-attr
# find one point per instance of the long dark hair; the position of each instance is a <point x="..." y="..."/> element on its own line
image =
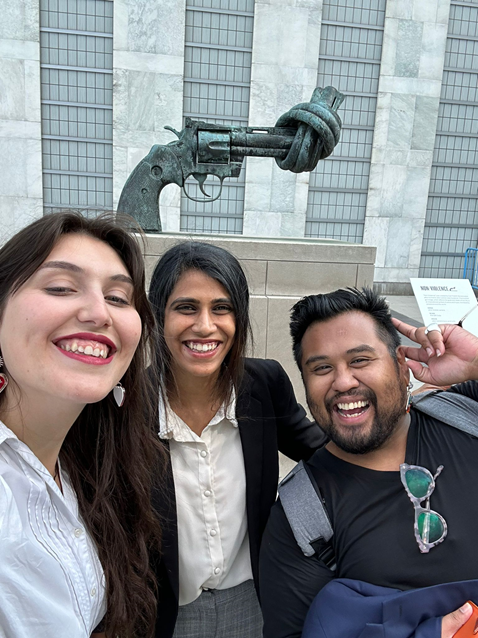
<point x="222" y="266"/>
<point x="111" y="455"/>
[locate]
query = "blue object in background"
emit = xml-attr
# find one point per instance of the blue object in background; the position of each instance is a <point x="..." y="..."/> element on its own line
<point x="470" y="270"/>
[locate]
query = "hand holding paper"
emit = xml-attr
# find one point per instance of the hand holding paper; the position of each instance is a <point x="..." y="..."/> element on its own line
<point x="458" y="359"/>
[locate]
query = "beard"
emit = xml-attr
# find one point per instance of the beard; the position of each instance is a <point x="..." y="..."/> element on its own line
<point x="352" y="439"/>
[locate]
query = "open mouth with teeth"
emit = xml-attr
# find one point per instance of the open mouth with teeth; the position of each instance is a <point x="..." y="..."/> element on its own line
<point x="88" y="348"/>
<point x="351" y="410"/>
<point x="202" y="348"/>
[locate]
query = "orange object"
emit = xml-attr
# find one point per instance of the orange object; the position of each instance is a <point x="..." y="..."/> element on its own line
<point x="470" y="628"/>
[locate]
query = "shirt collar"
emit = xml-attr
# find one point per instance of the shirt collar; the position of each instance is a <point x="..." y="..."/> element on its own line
<point x="171" y="426"/>
<point x="7" y="435"/>
<point x="21" y="448"/>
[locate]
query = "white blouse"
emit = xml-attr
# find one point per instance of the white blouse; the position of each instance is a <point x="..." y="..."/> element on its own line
<point x="51" y="580"/>
<point x="210" y="486"/>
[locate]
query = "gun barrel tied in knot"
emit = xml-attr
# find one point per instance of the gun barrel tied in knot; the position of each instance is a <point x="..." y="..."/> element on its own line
<point x="301" y="137"/>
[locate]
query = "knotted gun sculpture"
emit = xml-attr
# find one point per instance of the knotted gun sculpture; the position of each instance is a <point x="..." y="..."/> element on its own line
<point x="301" y="137"/>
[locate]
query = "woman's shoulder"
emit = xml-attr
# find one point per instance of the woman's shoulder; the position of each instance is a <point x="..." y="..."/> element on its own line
<point x="263" y="366"/>
<point x="268" y="371"/>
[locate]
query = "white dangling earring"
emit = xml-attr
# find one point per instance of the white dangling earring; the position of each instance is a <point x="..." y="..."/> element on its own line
<point x="409" y="397"/>
<point x="3" y="377"/>
<point x="118" y="394"/>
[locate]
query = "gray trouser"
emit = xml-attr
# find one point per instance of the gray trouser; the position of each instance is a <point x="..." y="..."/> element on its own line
<point x="222" y="613"/>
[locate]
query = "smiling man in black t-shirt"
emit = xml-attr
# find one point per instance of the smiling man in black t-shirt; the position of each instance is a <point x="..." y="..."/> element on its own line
<point x="356" y="376"/>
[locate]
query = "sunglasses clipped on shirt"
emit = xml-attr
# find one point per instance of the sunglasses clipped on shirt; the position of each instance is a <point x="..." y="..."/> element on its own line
<point x="430" y="527"/>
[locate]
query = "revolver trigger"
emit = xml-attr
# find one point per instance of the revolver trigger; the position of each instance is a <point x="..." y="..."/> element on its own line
<point x="221" y="179"/>
<point x="201" y="179"/>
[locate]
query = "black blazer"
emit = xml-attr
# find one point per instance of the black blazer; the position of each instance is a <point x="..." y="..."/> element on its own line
<point x="270" y="419"/>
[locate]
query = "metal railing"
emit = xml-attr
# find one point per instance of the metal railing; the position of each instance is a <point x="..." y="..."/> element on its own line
<point x="470" y="269"/>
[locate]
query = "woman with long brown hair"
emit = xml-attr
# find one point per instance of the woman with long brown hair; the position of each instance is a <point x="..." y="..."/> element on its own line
<point x="223" y="417"/>
<point x="77" y="454"/>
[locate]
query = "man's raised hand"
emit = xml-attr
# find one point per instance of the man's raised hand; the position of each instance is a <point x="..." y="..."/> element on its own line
<point x="450" y="355"/>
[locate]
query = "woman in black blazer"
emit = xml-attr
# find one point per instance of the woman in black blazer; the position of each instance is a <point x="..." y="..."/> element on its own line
<point x="223" y="418"/>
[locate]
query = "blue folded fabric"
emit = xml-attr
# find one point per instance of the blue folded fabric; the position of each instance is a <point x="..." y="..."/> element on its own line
<point x="347" y="608"/>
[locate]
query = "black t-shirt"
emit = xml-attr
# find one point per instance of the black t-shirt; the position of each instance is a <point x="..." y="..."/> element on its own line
<point x="373" y="518"/>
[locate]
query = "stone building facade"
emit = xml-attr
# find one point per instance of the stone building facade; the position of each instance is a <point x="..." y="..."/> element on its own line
<point x="86" y="87"/>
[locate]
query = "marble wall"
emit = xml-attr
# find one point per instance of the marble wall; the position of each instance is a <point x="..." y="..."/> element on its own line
<point x="405" y="127"/>
<point x="148" y="67"/>
<point x="284" y="72"/>
<point x="148" y="93"/>
<point x="21" y="198"/>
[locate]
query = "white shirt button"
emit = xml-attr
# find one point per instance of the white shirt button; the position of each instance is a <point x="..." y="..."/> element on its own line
<point x="213" y="532"/>
<point x="78" y="532"/>
<point x="93" y="592"/>
<point x="207" y="493"/>
<point x="217" y="570"/>
<point x="203" y="453"/>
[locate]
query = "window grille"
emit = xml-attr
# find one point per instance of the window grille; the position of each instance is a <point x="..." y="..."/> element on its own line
<point x="451" y="224"/>
<point x="217" y="76"/>
<point x="76" y="53"/>
<point x="349" y="59"/>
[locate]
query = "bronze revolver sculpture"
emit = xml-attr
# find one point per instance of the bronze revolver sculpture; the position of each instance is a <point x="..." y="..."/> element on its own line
<point x="301" y="137"/>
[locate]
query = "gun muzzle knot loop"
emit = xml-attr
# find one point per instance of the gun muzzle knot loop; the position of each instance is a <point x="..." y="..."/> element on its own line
<point x="318" y="130"/>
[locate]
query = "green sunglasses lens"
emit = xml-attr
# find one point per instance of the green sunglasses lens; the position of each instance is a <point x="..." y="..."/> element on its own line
<point x="418" y="482"/>
<point x="430" y="527"/>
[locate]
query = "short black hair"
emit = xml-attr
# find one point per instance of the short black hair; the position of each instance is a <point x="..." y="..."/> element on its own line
<point x="319" y="308"/>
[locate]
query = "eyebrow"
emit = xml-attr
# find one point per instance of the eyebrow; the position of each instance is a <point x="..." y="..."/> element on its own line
<point x="192" y="300"/>
<point x="363" y="348"/>
<point x="124" y="278"/>
<point x="357" y="350"/>
<point x="62" y="265"/>
<point x="66" y="265"/>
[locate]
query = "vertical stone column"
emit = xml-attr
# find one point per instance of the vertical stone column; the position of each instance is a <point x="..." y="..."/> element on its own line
<point x="148" y="67"/>
<point x="405" y="127"/>
<point x="21" y="197"/>
<point x="284" y="72"/>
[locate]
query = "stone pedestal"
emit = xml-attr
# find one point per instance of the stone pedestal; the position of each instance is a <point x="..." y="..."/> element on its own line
<point x="280" y="272"/>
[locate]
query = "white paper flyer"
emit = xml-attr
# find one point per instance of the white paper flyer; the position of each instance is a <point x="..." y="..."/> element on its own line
<point x="446" y="301"/>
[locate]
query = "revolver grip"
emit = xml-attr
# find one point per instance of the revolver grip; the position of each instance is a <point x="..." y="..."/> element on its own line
<point x="140" y="195"/>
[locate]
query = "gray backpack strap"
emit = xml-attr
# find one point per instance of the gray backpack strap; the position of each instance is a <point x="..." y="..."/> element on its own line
<point x="454" y="409"/>
<point x="304" y="509"/>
